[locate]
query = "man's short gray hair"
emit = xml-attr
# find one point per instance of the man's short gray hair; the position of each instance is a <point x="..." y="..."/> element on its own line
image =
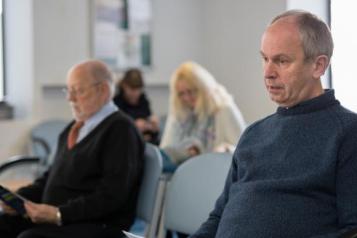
<point x="315" y="34"/>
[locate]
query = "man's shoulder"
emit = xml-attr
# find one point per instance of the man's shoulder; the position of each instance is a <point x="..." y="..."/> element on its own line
<point x="346" y="113"/>
<point x="261" y="122"/>
<point x="118" y="119"/>
<point x="345" y="117"/>
<point x="117" y="123"/>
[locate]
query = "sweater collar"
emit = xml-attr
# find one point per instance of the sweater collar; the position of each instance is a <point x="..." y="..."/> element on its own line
<point x="323" y="101"/>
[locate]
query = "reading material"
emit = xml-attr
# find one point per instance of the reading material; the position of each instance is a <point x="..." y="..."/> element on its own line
<point x="13" y="200"/>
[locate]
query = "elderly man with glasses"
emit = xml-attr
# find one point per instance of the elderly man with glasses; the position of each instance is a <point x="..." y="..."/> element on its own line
<point x="91" y="188"/>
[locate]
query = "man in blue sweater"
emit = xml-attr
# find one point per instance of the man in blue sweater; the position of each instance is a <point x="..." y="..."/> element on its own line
<point x="294" y="173"/>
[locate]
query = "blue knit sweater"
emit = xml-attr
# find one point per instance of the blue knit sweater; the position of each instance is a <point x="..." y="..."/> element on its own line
<point x="294" y="174"/>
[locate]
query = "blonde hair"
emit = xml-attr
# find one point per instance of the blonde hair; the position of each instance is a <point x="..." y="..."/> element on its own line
<point x="211" y="96"/>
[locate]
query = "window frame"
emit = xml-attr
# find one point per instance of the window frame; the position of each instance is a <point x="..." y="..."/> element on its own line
<point x="3" y="43"/>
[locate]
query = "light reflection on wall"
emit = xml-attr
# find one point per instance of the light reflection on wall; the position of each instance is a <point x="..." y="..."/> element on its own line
<point x="343" y="20"/>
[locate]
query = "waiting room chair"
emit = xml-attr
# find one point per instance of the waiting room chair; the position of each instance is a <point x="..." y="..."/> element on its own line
<point x="18" y="171"/>
<point x="151" y="192"/>
<point x="23" y="169"/>
<point x="192" y="191"/>
<point x="44" y="138"/>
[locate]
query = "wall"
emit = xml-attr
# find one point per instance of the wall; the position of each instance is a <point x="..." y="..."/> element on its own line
<point x="13" y="138"/>
<point x="61" y="39"/>
<point x="232" y="44"/>
<point x="318" y="7"/>
<point x="177" y="36"/>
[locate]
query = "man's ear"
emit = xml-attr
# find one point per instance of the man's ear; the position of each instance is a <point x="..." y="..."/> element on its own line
<point x="320" y="65"/>
<point x="104" y="91"/>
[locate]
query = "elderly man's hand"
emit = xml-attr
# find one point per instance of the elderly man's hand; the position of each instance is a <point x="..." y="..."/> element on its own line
<point x="41" y="213"/>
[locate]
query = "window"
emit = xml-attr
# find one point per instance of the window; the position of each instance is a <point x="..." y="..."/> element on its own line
<point x="2" y="74"/>
<point x="343" y="28"/>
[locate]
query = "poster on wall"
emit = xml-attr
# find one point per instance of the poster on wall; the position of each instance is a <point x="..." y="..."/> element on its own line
<point x="122" y="33"/>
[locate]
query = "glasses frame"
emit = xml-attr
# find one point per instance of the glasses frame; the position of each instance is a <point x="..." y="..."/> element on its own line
<point x="188" y="92"/>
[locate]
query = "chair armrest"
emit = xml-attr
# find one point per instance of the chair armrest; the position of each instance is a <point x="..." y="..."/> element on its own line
<point x="16" y="160"/>
<point x="43" y="144"/>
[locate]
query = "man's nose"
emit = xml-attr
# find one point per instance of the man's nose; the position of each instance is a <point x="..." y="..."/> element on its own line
<point x="269" y="70"/>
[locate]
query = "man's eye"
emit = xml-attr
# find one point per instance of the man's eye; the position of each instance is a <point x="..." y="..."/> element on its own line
<point x="283" y="61"/>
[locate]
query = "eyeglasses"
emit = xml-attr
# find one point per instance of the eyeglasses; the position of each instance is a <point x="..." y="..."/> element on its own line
<point x="188" y="92"/>
<point x="79" y="92"/>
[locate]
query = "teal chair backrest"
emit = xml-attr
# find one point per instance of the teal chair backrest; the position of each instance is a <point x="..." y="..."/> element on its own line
<point x="44" y="137"/>
<point x="149" y="184"/>
<point x="193" y="190"/>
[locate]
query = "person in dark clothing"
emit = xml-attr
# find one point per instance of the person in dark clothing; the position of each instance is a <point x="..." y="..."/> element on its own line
<point x="294" y="173"/>
<point x="92" y="186"/>
<point x="132" y="99"/>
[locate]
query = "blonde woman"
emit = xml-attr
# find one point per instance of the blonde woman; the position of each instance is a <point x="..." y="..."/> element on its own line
<point x="202" y="116"/>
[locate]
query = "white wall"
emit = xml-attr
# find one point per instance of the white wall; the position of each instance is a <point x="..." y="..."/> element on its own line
<point x="318" y="7"/>
<point x="232" y="43"/>
<point x="61" y="39"/>
<point x="13" y="138"/>
<point x="177" y="36"/>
